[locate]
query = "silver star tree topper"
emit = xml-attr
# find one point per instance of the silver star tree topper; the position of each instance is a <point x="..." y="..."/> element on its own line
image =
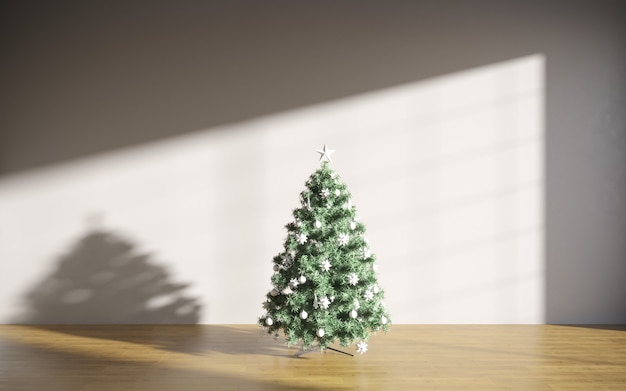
<point x="325" y="153"/>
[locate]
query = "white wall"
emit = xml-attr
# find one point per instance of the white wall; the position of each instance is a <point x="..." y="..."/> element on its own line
<point x="116" y="109"/>
<point x="447" y="174"/>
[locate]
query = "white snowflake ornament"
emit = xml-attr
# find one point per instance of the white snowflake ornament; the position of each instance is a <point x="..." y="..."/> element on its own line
<point x="353" y="279"/>
<point x="361" y="347"/>
<point x="343" y="239"/>
<point x="325" y="193"/>
<point x="301" y="238"/>
<point x="325" y="265"/>
<point x="287" y="261"/>
<point x="324" y="303"/>
<point x="294" y="283"/>
<point x="368" y="295"/>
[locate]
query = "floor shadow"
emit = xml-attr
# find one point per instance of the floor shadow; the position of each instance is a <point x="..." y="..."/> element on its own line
<point x="104" y="279"/>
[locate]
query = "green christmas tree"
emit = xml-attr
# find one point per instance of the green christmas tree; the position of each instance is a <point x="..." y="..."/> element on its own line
<point x="324" y="287"/>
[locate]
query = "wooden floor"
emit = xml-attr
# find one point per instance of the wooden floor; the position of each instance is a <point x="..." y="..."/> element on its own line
<point x="211" y="357"/>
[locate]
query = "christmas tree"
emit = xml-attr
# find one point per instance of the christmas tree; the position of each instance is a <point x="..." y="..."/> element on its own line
<point x="324" y="286"/>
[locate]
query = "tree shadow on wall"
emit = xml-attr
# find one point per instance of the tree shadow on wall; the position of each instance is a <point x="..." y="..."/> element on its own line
<point x="104" y="279"/>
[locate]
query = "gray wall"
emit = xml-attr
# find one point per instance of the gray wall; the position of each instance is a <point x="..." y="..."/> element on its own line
<point x="85" y="77"/>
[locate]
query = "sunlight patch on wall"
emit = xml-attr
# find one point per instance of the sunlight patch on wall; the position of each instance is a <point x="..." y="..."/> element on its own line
<point x="447" y="175"/>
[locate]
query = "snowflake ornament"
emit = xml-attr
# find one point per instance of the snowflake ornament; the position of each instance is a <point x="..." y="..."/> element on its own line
<point x="325" y="193"/>
<point x="361" y="347"/>
<point x="294" y="283"/>
<point x="337" y="192"/>
<point x="325" y="265"/>
<point x="353" y="279"/>
<point x="286" y="261"/>
<point x="368" y="295"/>
<point x="301" y="238"/>
<point x="323" y="303"/>
<point x="343" y="239"/>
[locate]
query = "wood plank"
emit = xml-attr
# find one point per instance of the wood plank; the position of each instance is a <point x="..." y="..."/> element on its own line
<point x="242" y="357"/>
